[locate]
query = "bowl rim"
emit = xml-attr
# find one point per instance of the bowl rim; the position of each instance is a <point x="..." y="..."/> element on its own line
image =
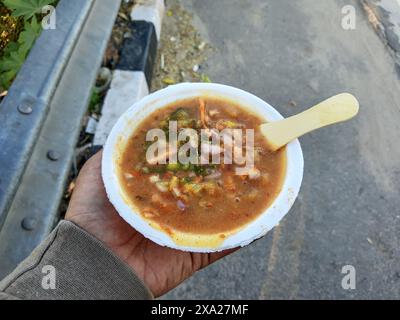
<point x="257" y="228"/>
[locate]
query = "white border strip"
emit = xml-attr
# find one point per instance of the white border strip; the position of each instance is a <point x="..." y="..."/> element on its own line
<point x="127" y="87"/>
<point x="150" y="11"/>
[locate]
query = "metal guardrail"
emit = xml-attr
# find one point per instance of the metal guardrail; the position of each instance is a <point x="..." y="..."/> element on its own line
<point x="40" y="121"/>
<point x="25" y="108"/>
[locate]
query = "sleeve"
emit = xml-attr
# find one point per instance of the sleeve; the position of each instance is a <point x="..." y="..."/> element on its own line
<point x="72" y="264"/>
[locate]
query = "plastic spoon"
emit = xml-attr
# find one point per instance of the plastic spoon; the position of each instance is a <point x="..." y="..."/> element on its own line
<point x="336" y="109"/>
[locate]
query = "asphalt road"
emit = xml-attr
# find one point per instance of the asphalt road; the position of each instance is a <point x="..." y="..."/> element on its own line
<point x="348" y="211"/>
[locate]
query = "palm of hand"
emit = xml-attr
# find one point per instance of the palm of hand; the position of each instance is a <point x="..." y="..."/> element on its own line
<point x="160" y="268"/>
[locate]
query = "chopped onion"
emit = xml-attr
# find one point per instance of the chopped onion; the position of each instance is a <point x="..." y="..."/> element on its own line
<point x="254" y="173"/>
<point x="213" y="176"/>
<point x="128" y="175"/>
<point x="181" y="205"/>
<point x="148" y="213"/>
<point x="176" y="191"/>
<point x="252" y="194"/>
<point x="162" y="186"/>
<point x="213" y="112"/>
<point x="156" y="198"/>
<point x="205" y="204"/>
<point x="154" y="178"/>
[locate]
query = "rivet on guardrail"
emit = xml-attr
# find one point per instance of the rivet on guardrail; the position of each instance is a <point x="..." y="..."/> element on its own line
<point x="53" y="155"/>
<point x="28" y="223"/>
<point x="25" y="108"/>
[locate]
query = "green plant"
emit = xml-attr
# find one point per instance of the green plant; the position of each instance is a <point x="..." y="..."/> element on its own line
<point x="95" y="100"/>
<point x="205" y="78"/>
<point x="26" y="8"/>
<point x="16" y="52"/>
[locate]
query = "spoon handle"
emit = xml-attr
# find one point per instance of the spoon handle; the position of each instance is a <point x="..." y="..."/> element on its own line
<point x="338" y="108"/>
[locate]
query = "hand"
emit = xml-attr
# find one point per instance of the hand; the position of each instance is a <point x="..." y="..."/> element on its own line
<point x="161" y="268"/>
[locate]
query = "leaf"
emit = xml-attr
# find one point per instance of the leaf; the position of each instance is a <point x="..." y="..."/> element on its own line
<point x="205" y="78"/>
<point x="28" y="36"/>
<point x="13" y="61"/>
<point x="16" y="52"/>
<point x="26" y="8"/>
<point x="9" y="67"/>
<point x="6" y="78"/>
<point x="11" y="46"/>
<point x="168" y="81"/>
<point x="95" y="100"/>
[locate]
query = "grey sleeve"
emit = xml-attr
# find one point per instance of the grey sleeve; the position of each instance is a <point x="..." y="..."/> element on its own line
<point x="72" y="264"/>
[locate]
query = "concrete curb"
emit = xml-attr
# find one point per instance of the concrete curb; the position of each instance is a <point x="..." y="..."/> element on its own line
<point x="132" y="77"/>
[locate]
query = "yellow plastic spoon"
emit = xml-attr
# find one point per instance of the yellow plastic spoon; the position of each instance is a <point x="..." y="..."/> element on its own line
<point x="338" y="108"/>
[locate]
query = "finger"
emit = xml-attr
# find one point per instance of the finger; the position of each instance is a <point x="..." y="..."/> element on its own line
<point x="90" y="171"/>
<point x="94" y="162"/>
<point x="89" y="190"/>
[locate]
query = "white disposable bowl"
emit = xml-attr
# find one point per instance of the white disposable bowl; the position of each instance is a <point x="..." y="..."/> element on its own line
<point x="128" y="123"/>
